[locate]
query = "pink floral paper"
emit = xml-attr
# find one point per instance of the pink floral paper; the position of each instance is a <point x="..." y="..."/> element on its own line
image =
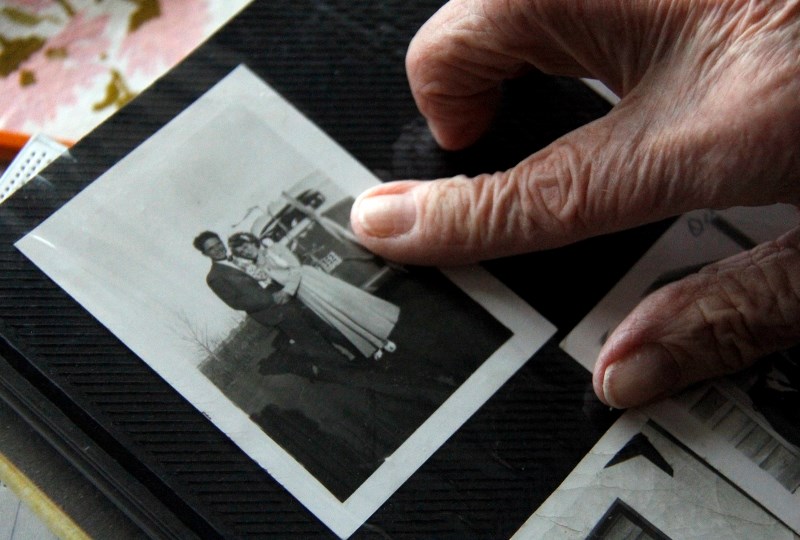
<point x="66" y="65"/>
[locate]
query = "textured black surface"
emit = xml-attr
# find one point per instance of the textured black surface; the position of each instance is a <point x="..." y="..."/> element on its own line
<point x="341" y="64"/>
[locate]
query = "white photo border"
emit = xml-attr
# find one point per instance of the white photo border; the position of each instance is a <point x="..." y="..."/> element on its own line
<point x="530" y="331"/>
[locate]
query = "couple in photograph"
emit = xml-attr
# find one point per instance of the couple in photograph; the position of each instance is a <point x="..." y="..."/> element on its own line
<point x="310" y="307"/>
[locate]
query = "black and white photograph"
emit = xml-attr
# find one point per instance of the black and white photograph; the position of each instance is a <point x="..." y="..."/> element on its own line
<point x="745" y="424"/>
<point x="219" y="251"/>
<point x="635" y="472"/>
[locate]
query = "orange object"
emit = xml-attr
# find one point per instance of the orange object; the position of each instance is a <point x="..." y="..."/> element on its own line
<point x="12" y="142"/>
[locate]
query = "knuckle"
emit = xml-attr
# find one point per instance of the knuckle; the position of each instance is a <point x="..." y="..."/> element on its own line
<point x="776" y="275"/>
<point x="725" y="328"/>
<point x="555" y="197"/>
<point x="754" y="310"/>
<point x="701" y="328"/>
<point x="501" y="207"/>
<point x="475" y="217"/>
<point x="586" y="183"/>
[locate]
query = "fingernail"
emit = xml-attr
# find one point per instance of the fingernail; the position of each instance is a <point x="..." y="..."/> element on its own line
<point x="647" y="374"/>
<point x="387" y="215"/>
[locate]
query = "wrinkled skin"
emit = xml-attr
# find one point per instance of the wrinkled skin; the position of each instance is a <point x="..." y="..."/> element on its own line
<point x="709" y="118"/>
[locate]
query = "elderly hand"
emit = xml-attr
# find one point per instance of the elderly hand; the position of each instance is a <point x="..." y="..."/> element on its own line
<point x="709" y="118"/>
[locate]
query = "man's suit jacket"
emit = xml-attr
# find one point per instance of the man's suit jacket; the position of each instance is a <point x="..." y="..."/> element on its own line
<point x="300" y="348"/>
<point x="243" y="293"/>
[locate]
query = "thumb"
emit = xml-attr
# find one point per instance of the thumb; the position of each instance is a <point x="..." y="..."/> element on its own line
<point x="713" y="323"/>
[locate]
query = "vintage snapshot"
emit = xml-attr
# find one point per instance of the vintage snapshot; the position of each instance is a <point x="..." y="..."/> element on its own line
<point x="747" y="425"/>
<point x="640" y="482"/>
<point x="219" y="251"/>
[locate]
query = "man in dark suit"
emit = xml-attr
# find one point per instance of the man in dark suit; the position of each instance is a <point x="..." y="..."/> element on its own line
<point x="303" y="344"/>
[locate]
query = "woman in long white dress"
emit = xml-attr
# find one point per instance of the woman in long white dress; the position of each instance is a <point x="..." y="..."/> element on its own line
<point x="364" y="319"/>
